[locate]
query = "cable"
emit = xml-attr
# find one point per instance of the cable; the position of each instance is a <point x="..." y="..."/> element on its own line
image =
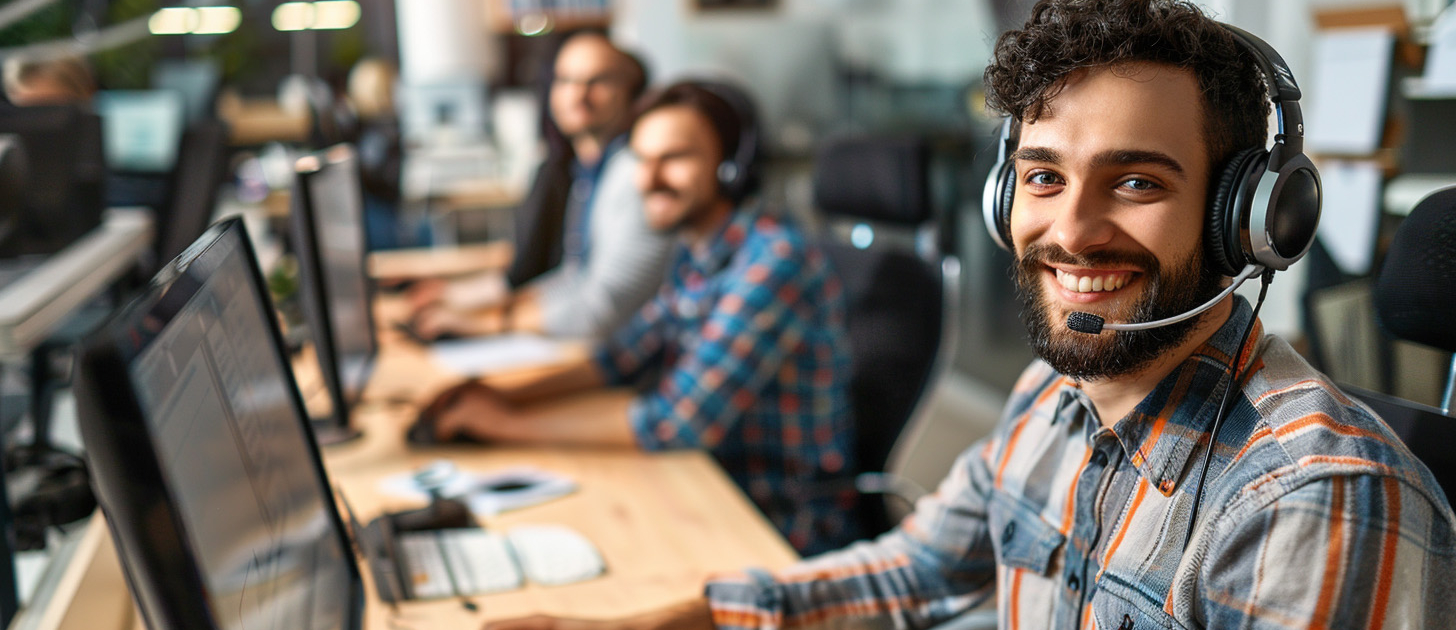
<point x="1223" y="405"/>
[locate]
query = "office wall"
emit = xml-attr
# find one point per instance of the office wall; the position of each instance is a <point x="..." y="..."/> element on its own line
<point x="794" y="56"/>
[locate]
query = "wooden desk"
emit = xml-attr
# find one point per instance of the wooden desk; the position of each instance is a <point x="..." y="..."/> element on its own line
<point x="662" y="521"/>
<point x="432" y="262"/>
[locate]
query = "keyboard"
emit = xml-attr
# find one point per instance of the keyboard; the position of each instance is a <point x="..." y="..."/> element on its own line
<point x="454" y="562"/>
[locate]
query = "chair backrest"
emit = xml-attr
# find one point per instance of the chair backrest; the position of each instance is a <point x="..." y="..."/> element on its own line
<point x="192" y="196"/>
<point x="1413" y="292"/>
<point x="899" y="298"/>
<point x="1412" y="302"/>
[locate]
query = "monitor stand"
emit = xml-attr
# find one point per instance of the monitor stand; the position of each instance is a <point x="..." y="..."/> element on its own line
<point x="328" y="432"/>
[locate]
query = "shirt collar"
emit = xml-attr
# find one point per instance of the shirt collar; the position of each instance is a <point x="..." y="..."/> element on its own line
<point x="1160" y="434"/>
<point x="594" y="170"/>
<point x="711" y="256"/>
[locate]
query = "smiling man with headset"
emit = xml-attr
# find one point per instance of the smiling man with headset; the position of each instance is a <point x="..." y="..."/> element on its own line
<point x="1135" y="183"/>
<point x="741" y="353"/>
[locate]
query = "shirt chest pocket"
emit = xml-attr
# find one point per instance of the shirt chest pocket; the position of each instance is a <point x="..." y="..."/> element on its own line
<point x="1021" y="537"/>
<point x="1113" y="611"/>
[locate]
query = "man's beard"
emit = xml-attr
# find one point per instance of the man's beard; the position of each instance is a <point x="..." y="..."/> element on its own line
<point x="1113" y="352"/>
<point x="689" y="214"/>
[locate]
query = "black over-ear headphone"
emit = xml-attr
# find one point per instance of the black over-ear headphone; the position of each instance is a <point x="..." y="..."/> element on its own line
<point x="1253" y="218"/>
<point x="738" y="173"/>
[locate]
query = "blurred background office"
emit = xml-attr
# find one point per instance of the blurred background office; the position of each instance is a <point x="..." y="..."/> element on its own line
<point x="443" y="99"/>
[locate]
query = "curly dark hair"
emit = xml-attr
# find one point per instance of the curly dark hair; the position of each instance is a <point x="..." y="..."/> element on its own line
<point x="1031" y="65"/>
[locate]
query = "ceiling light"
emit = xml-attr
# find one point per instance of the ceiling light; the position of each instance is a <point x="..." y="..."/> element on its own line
<point x="217" y="20"/>
<point x="335" y="14"/>
<point x="293" y="16"/>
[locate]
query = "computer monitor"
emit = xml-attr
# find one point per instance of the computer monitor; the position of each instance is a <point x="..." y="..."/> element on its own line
<point x="142" y="129"/>
<point x="326" y="230"/>
<point x="64" y="195"/>
<point x="201" y="457"/>
<point x="444" y="113"/>
<point x="197" y="80"/>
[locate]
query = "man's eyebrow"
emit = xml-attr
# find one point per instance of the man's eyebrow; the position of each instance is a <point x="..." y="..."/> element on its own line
<point x="1117" y="157"/>
<point x="1037" y="154"/>
<point x="1123" y="157"/>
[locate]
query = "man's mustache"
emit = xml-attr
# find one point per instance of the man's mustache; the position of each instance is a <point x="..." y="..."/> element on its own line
<point x="1042" y="253"/>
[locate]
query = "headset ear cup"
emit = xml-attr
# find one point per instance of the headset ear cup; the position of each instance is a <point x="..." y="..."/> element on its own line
<point x="728" y="180"/>
<point x="1006" y="184"/>
<point x="1222" y="249"/>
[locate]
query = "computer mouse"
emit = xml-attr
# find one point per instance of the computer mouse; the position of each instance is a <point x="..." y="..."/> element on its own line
<point x="411" y="333"/>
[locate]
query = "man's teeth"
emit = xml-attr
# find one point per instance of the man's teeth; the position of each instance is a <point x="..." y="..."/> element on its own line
<point x="1087" y="284"/>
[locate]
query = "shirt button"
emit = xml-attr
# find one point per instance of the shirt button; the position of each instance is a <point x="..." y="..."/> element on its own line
<point x="1008" y="533"/>
<point x="1099" y="458"/>
<point x="1073" y="582"/>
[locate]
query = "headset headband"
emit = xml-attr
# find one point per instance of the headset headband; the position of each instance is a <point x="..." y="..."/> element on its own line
<point x="1283" y="91"/>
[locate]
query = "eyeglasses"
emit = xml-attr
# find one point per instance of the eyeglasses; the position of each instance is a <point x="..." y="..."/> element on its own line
<point x="610" y="79"/>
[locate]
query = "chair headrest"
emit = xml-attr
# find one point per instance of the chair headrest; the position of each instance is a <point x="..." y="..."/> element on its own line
<point x="876" y="178"/>
<point x="1413" y="294"/>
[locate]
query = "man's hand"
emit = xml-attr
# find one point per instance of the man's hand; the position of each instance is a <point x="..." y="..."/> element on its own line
<point x="439" y="322"/>
<point x="423" y="293"/>
<point x="471" y="408"/>
<point x="690" y="615"/>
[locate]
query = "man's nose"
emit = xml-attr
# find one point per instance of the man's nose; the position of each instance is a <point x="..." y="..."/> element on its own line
<point x="1081" y="220"/>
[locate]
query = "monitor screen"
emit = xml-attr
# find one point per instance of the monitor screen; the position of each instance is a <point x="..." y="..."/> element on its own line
<point x="193" y="427"/>
<point x="195" y="79"/>
<point x="327" y="234"/>
<point x="142" y="128"/>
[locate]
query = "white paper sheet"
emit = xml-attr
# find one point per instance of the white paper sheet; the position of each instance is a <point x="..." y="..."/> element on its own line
<point x="1351" y="214"/>
<point x="1441" y="58"/>
<point x="484" y="355"/>
<point x="487" y="493"/>
<point x="1345" y="112"/>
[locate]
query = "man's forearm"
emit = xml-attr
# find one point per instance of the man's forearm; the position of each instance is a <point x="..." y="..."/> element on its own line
<point x="689" y="615"/>
<point x="597" y="418"/>
<point x="548" y="382"/>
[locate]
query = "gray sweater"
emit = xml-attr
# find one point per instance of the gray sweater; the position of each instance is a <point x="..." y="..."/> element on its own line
<point x="624" y="268"/>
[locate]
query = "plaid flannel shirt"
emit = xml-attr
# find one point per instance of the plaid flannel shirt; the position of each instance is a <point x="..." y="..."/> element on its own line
<point x="744" y="354"/>
<point x="1314" y="515"/>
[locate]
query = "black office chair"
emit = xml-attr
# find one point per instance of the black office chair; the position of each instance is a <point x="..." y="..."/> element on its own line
<point x="874" y="192"/>
<point x="192" y="193"/>
<point x="1413" y="302"/>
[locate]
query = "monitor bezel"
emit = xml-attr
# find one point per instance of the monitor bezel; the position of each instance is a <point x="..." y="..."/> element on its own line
<point x="313" y="290"/>
<point x="161" y="567"/>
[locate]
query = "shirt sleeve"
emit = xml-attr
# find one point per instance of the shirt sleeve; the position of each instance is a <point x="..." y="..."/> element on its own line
<point x="625" y="266"/>
<point x="743" y="342"/>
<point x="1318" y="556"/>
<point x="937" y="564"/>
<point x="634" y="347"/>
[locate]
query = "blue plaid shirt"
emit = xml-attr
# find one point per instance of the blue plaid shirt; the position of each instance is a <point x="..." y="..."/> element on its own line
<point x="744" y="355"/>
<point x="1315" y="515"/>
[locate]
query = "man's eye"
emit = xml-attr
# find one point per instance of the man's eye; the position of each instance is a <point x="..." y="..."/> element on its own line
<point x="1042" y="179"/>
<point x="1140" y="185"/>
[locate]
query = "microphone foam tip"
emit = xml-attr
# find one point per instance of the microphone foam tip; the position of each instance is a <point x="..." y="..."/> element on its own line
<point x="1085" y="323"/>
